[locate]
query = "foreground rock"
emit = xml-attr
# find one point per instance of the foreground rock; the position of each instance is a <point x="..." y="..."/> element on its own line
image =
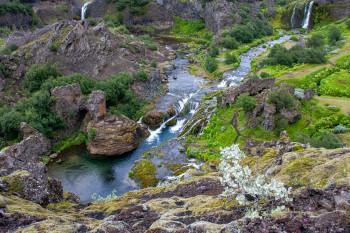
<point x="23" y="173"/>
<point x="320" y="190"/>
<point x="115" y="135"/>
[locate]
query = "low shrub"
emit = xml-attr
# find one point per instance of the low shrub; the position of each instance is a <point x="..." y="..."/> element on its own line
<point x="230" y="58"/>
<point x="246" y="102"/>
<point x="334" y="35"/>
<point x="229" y="42"/>
<point x="37" y="75"/>
<point x="210" y="64"/>
<point x="315" y="41"/>
<point x="282" y="99"/>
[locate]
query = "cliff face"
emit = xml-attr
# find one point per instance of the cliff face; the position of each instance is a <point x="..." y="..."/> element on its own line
<point x="337" y="9"/>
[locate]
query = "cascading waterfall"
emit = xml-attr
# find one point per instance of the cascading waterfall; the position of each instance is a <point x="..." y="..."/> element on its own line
<point x="84" y="9"/>
<point x="307" y="15"/>
<point x="292" y="19"/>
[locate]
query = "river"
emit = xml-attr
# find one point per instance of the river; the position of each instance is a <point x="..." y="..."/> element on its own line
<point x="85" y="176"/>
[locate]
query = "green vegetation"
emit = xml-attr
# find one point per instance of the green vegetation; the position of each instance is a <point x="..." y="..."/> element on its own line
<point x="15" y="7"/>
<point x="76" y="139"/>
<point x="145" y="173"/>
<point x="37" y="108"/>
<point x="246" y="102"/>
<point x="210" y="64"/>
<point x="136" y="7"/>
<point x="279" y="55"/>
<point x="337" y="84"/>
<point x="282" y="99"/>
<point x="37" y="75"/>
<point x="334" y="35"/>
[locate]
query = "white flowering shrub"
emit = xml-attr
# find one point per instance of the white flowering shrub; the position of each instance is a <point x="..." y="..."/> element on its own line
<point x="241" y="184"/>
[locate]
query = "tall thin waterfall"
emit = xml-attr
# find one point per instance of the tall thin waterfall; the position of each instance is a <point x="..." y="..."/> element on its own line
<point x="84" y="9"/>
<point x="292" y="19"/>
<point x="307" y="17"/>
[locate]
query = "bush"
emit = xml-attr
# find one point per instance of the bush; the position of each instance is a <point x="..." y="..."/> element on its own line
<point x="246" y="102"/>
<point x="141" y="75"/>
<point x="347" y="22"/>
<point x="282" y="99"/>
<point x="210" y="64"/>
<point x="296" y="55"/>
<point x="54" y="46"/>
<point x="37" y="75"/>
<point x="334" y="35"/>
<point x="315" y="41"/>
<point x="230" y="58"/>
<point x="229" y="42"/>
<point x="213" y="51"/>
<point x="9" y="123"/>
<point x="323" y="139"/>
<point x="37" y="111"/>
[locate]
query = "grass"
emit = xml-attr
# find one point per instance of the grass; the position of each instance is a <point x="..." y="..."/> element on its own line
<point x="337" y="84"/>
<point x="342" y="103"/>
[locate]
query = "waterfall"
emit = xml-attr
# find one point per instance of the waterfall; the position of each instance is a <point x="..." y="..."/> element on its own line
<point x="292" y="19"/>
<point x="84" y="9"/>
<point x="307" y="15"/>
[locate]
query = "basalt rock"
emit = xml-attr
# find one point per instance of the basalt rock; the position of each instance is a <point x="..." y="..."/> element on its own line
<point x="68" y="100"/>
<point x="96" y="105"/>
<point x="84" y="49"/>
<point x="251" y="86"/>
<point x="22" y="171"/>
<point x="154" y="118"/>
<point x="114" y="135"/>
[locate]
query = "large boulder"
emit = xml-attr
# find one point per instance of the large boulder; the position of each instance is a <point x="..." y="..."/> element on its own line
<point x="154" y="118"/>
<point x="23" y="173"/>
<point x="96" y="105"/>
<point x="114" y="135"/>
<point x="68" y="103"/>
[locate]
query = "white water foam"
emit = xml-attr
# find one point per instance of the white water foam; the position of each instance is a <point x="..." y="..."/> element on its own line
<point x="178" y="126"/>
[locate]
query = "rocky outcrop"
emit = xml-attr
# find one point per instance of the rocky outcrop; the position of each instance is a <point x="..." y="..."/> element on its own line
<point x="251" y="86"/>
<point x="114" y="135"/>
<point x="68" y="101"/>
<point x="218" y="15"/>
<point x="320" y="200"/>
<point x="23" y="173"/>
<point x="336" y="9"/>
<point x="76" y="47"/>
<point x="16" y="20"/>
<point x="200" y="119"/>
<point x="96" y="106"/>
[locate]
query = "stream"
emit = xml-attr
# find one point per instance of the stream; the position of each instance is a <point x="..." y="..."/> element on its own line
<point x="87" y="176"/>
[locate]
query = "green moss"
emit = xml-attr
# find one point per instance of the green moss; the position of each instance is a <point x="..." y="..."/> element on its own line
<point x="297" y="171"/>
<point x="15" y="181"/>
<point x="75" y="139"/>
<point x="144" y="172"/>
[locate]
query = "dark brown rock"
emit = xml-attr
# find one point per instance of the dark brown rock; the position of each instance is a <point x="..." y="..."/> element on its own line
<point x="251" y="86"/>
<point x="291" y="115"/>
<point x="115" y="135"/>
<point x="96" y="105"/>
<point x="68" y="103"/>
<point x="154" y="118"/>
